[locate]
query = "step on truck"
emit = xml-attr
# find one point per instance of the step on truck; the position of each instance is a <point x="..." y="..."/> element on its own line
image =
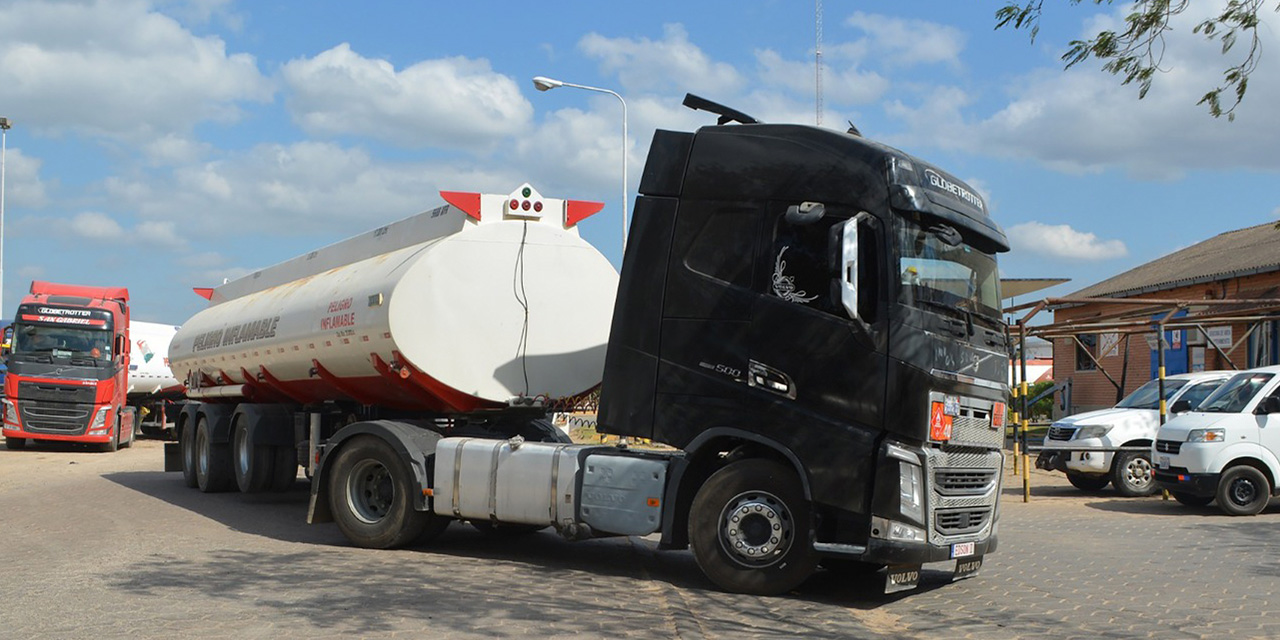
<point x="68" y="367"/>
<point x="810" y="322"/>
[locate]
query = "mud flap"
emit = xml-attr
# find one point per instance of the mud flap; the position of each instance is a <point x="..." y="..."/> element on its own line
<point x="967" y="567"/>
<point x="902" y="577"/>
<point x="172" y="456"/>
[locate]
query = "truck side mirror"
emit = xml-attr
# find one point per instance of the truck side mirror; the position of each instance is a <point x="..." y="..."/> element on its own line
<point x="1270" y="404"/>
<point x="853" y="261"/>
<point x="1181" y="406"/>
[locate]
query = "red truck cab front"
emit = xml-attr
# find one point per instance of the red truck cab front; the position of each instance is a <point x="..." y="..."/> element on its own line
<point x="68" y="367"/>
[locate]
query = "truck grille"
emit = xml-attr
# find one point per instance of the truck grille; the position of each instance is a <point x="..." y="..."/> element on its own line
<point x="59" y="418"/>
<point x="1061" y="433"/>
<point x="1168" y="446"/>
<point x="951" y="523"/>
<point x="963" y="482"/>
<point x="972" y="428"/>
<point x="46" y="392"/>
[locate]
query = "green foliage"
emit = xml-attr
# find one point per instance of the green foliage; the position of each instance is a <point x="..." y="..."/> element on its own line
<point x="1043" y="408"/>
<point x="1135" y="53"/>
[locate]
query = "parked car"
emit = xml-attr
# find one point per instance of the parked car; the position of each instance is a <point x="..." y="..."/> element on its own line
<point x="1077" y="445"/>
<point x="1227" y="449"/>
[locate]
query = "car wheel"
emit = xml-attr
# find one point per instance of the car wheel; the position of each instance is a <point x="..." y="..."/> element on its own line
<point x="1243" y="491"/>
<point x="1132" y="475"/>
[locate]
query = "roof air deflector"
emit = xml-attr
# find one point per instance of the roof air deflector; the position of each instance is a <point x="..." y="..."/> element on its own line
<point x="727" y="115"/>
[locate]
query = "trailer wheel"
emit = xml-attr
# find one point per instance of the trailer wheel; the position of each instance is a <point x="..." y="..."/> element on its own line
<point x="749" y="529"/>
<point x="213" y="461"/>
<point x="1132" y="475"/>
<point x="187" y="444"/>
<point x="14" y="444"/>
<point x="1243" y="491"/>
<point x="1087" y="482"/>
<point x="371" y="495"/>
<point x="250" y="461"/>
<point x="1191" y="500"/>
<point x="285" y="471"/>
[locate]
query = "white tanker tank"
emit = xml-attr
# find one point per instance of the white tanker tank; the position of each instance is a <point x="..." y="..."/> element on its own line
<point x="470" y="305"/>
<point x="149" y="370"/>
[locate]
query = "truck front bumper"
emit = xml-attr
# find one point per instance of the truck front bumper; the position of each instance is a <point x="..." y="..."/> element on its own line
<point x="892" y="552"/>
<point x="1179" y="480"/>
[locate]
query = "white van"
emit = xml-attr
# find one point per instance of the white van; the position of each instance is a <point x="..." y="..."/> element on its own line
<point x="1225" y="450"/>
<point x="1131" y="423"/>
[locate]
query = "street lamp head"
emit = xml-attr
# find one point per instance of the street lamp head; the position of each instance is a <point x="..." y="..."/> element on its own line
<point x="543" y="83"/>
<point x="5" y="124"/>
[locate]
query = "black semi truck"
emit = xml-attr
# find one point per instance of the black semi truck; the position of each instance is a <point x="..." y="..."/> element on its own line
<point x="809" y="319"/>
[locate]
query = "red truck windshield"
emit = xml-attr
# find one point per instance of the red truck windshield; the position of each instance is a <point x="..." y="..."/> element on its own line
<point x="65" y="342"/>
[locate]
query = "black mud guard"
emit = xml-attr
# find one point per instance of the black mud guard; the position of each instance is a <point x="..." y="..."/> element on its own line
<point x="268" y="424"/>
<point x="186" y="417"/>
<point x="415" y="443"/>
<point x="219" y="417"/>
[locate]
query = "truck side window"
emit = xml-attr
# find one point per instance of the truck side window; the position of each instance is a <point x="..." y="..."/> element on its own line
<point x="801" y="272"/>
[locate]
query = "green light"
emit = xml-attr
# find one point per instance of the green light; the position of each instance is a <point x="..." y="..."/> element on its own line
<point x="527" y="192"/>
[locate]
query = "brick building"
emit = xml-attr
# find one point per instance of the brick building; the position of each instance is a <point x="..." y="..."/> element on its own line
<point x="1239" y="265"/>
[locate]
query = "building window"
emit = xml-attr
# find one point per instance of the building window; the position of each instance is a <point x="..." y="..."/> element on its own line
<point x="1086" y="351"/>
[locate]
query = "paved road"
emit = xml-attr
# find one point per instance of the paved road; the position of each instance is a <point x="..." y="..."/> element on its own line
<point x="97" y="545"/>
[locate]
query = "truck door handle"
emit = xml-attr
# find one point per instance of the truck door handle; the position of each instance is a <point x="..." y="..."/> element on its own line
<point x="770" y="379"/>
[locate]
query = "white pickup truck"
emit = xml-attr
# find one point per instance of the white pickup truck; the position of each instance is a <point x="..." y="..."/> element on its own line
<point x="1228" y="448"/>
<point x="1082" y="445"/>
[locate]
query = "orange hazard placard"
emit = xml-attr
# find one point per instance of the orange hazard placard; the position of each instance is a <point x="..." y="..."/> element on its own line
<point x="939" y="423"/>
<point x="997" y="415"/>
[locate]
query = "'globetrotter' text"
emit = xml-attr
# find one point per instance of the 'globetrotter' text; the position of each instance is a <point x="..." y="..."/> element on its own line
<point x="938" y="182"/>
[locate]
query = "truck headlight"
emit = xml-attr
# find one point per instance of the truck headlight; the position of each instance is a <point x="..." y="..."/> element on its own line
<point x="1207" y="435"/>
<point x="10" y="412"/>
<point x="1093" y="431"/>
<point x="100" y="418"/>
<point x="910" y="492"/>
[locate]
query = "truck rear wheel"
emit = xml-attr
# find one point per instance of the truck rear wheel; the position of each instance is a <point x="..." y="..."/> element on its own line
<point x="285" y="471"/>
<point x="14" y="444"/>
<point x="213" y="461"/>
<point x="1243" y="491"/>
<point x="749" y="529"/>
<point x="371" y="492"/>
<point x="187" y="444"/>
<point x="1132" y="475"/>
<point x="250" y="461"/>
<point x="1087" y="482"/>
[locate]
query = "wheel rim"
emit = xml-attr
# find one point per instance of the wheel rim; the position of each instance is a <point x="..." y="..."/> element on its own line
<point x="756" y="528"/>
<point x="371" y="491"/>
<point x="1243" y="491"/>
<point x="202" y="452"/>
<point x="189" y="450"/>
<point x="243" y="451"/>
<point x="1138" y="473"/>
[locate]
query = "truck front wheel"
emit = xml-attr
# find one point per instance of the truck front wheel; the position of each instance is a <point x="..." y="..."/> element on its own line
<point x="749" y="529"/>
<point x="1243" y="491"/>
<point x="1131" y="474"/>
<point x="371" y="492"/>
<point x="14" y="444"/>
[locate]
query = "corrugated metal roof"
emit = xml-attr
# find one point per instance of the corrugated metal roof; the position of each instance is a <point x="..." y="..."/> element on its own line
<point x="1243" y="252"/>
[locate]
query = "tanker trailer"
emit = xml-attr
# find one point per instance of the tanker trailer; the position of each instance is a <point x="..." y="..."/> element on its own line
<point x="476" y="314"/>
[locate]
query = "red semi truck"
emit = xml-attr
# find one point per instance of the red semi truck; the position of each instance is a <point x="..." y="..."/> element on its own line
<point x="69" y="366"/>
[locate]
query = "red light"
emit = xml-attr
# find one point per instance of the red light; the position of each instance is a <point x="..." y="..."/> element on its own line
<point x="515" y="204"/>
<point x="537" y="206"/>
<point x="525" y="205"/>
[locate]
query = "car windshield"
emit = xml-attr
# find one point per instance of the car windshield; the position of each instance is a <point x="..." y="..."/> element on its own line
<point x="1198" y="392"/>
<point x="63" y="342"/>
<point x="1235" y="394"/>
<point x="937" y="272"/>
<point x="1148" y="395"/>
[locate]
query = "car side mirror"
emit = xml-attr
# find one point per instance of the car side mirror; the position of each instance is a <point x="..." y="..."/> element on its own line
<point x="1181" y="406"/>
<point x="1270" y="404"/>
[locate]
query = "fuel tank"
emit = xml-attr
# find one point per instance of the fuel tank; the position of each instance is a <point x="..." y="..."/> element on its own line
<point x="149" y="370"/>
<point x="466" y="306"/>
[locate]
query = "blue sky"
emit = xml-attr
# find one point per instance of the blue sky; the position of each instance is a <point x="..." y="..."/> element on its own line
<point x="166" y="144"/>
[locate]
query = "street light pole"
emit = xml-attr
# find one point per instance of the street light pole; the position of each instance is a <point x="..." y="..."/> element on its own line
<point x="543" y="83"/>
<point x="4" y="135"/>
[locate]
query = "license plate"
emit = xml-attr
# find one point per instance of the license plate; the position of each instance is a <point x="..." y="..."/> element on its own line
<point x="951" y="406"/>
<point x="1162" y="462"/>
<point x="968" y="567"/>
<point x="962" y="549"/>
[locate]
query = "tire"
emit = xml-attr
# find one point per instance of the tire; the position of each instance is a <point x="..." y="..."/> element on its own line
<point x="251" y="462"/>
<point x="113" y="444"/>
<point x="213" y="461"/>
<point x="133" y="434"/>
<point x="1088" y="482"/>
<point x="284" y="471"/>
<point x="371" y="492"/>
<point x="1132" y="475"/>
<point x="1243" y="491"/>
<point x="187" y="445"/>
<point x="15" y="444"/>
<point x="749" y="528"/>
<point x="1190" y="500"/>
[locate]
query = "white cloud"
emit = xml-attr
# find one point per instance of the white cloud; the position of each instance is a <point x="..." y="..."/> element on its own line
<point x="173" y="149"/>
<point x="670" y="64"/>
<point x="117" y="68"/>
<point x="1063" y="242"/>
<point x="909" y="42"/>
<point x="842" y="83"/>
<point x="457" y="102"/>
<point x="95" y="226"/>
<point x="22" y="184"/>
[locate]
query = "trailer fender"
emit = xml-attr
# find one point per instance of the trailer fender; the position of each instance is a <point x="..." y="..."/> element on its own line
<point x="700" y="461"/>
<point x="186" y="417"/>
<point x="415" y="444"/>
<point x="219" y="419"/>
<point x="267" y="424"/>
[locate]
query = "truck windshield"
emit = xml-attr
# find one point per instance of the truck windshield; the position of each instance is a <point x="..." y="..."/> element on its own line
<point x="62" y="342"/>
<point x="1148" y="395"/>
<point x="1235" y="394"/>
<point x="937" y="272"/>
